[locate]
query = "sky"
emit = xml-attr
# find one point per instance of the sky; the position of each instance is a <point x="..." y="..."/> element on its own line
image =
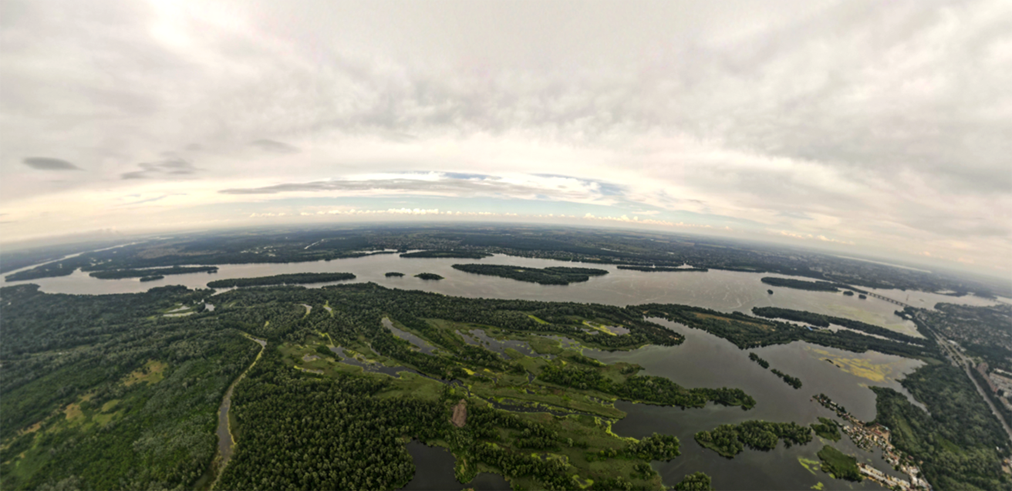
<point x="866" y="128"/>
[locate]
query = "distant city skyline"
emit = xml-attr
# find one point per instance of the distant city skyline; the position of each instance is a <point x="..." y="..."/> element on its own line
<point x="861" y="128"/>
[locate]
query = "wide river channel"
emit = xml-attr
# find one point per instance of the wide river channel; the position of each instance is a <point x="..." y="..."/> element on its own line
<point x="703" y="360"/>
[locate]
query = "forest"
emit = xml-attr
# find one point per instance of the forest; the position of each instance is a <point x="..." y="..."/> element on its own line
<point x="429" y="276"/>
<point x="789" y="380"/>
<point x="957" y="438"/>
<point x="543" y="276"/>
<point x="827" y="428"/>
<point x="282" y="279"/>
<point x="139" y="390"/>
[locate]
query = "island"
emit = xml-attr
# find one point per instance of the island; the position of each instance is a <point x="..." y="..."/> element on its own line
<point x="558" y="275"/>
<point x="446" y="254"/>
<point x="117" y="274"/>
<point x="838" y="464"/>
<point x="394" y="274"/>
<point x="825" y="320"/>
<point x="662" y="269"/>
<point x="429" y="276"/>
<point x="729" y="440"/>
<point x="817" y="286"/>
<point x="282" y="279"/>
<point x="154" y="277"/>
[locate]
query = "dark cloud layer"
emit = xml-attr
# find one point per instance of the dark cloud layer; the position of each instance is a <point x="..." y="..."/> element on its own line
<point x="47" y="163"/>
<point x="166" y="169"/>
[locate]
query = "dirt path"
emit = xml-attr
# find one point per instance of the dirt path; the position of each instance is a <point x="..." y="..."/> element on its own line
<point x="226" y="443"/>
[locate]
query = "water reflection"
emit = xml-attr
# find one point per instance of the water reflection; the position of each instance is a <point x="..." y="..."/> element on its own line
<point x="434" y="471"/>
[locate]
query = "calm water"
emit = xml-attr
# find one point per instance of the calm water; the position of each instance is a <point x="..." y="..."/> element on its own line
<point x="434" y="472"/>
<point x="702" y="361"/>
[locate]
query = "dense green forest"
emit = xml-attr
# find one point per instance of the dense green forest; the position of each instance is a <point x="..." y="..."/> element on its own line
<point x="957" y="438"/>
<point x="817" y="286"/>
<point x="117" y="274"/>
<point x="102" y="392"/>
<point x="282" y="279"/>
<point x="729" y="440"/>
<point x="394" y="274"/>
<point x="139" y="390"/>
<point x="825" y="320"/>
<point x="697" y="481"/>
<point x="543" y="276"/>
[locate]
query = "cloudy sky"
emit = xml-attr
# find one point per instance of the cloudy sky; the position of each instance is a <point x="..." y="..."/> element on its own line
<point x="869" y="127"/>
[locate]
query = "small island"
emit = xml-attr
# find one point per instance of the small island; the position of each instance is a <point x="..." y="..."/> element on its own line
<point x="816" y="286"/>
<point x="827" y="428"/>
<point x="446" y="254"/>
<point x="838" y="464"/>
<point x="558" y="275"/>
<point x="429" y="276"/>
<point x="792" y="381"/>
<point x="848" y="293"/>
<point x="153" y="277"/>
<point x="282" y="279"/>
<point x="769" y="291"/>
<point x="394" y="274"/>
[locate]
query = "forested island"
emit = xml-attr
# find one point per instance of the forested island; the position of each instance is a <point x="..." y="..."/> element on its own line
<point x="751" y="332"/>
<point x="153" y="277"/>
<point x="117" y="274"/>
<point x="447" y="254"/>
<point x="394" y="274"/>
<point x="429" y="276"/>
<point x="729" y="440"/>
<point x="662" y="269"/>
<point x="817" y="286"/>
<point x="544" y="276"/>
<point x="825" y="320"/>
<point x="792" y="381"/>
<point x="839" y="464"/>
<point x="282" y="279"/>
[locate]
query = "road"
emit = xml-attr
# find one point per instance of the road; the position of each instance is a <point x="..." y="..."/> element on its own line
<point x="957" y="359"/>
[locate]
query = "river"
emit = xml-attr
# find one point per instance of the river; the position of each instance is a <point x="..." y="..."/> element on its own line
<point x="702" y="361"/>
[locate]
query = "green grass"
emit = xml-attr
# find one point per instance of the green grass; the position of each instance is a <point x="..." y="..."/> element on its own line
<point x="838" y="464"/>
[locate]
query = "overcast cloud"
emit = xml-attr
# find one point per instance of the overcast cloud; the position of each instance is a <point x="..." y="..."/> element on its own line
<point x="881" y="127"/>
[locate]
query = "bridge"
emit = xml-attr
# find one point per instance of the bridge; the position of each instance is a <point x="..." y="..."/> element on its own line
<point x="887" y="299"/>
